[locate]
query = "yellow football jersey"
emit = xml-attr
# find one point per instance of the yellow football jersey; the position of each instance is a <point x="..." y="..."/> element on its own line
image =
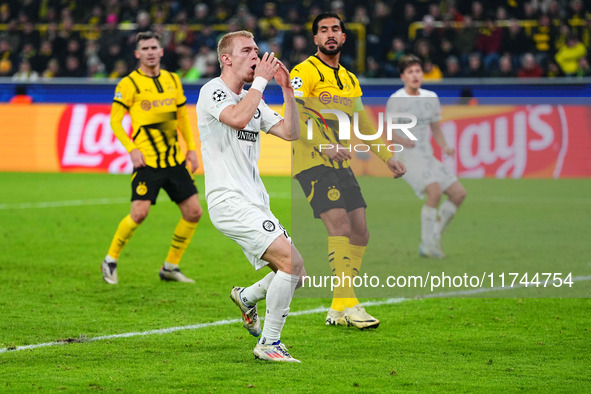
<point x="152" y="103"/>
<point x="319" y="86"/>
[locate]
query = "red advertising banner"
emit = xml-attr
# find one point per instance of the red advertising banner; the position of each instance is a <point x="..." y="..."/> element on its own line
<point x="86" y="141"/>
<point x="524" y="141"/>
<point x="502" y="141"/>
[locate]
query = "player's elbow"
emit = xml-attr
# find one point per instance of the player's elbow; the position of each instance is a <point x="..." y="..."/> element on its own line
<point x="239" y="122"/>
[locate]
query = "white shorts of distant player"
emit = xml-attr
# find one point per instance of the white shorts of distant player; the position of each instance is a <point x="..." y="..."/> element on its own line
<point x="252" y="227"/>
<point x="421" y="171"/>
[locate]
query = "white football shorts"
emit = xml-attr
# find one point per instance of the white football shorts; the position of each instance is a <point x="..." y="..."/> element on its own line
<point x="422" y="171"/>
<point x="251" y="226"/>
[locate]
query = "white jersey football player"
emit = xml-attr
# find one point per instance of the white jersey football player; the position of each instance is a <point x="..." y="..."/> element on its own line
<point x="230" y="120"/>
<point x="425" y="174"/>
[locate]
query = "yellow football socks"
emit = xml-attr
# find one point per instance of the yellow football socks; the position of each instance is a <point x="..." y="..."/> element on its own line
<point x="357" y="253"/>
<point x="180" y="240"/>
<point x="340" y="263"/>
<point x="123" y="234"/>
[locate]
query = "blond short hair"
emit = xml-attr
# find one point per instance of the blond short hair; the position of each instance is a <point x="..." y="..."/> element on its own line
<point x="225" y="44"/>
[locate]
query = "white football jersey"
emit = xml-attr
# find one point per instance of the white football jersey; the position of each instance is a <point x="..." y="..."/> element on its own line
<point x="230" y="157"/>
<point x="426" y="108"/>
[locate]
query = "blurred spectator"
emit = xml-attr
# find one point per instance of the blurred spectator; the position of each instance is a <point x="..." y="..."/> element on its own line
<point x="465" y="40"/>
<point x="552" y="70"/>
<point x="543" y="36"/>
<point x="423" y="50"/>
<point x="505" y="67"/>
<point x="39" y="61"/>
<point x="452" y="68"/>
<point x="212" y="70"/>
<point x="555" y="12"/>
<point x="143" y="24"/>
<point x="393" y="56"/>
<point x="445" y="51"/>
<point x="21" y="96"/>
<point x="584" y="70"/>
<point x="73" y="68"/>
<point x="25" y="72"/>
<point x="110" y="35"/>
<point x="207" y="37"/>
<point x="515" y="42"/>
<point x="30" y="35"/>
<point x="74" y="49"/>
<point x="374" y="70"/>
<point x="114" y="55"/>
<point x="477" y="13"/>
<point x="201" y="15"/>
<point x="568" y="56"/>
<point x="28" y="52"/>
<point x="270" y="20"/>
<point x="7" y="58"/>
<point x="299" y="51"/>
<point x="429" y="33"/>
<point x="530" y="68"/>
<point x="562" y="36"/>
<point x="529" y="11"/>
<point x="205" y="56"/>
<point x="475" y="69"/>
<point x="576" y="11"/>
<point x="434" y="12"/>
<point x="95" y="69"/>
<point x="251" y="24"/>
<point x="402" y="25"/>
<point x="119" y="70"/>
<point x="501" y="14"/>
<point x="431" y="72"/>
<point x="489" y="44"/>
<point x="52" y="70"/>
<point x="5" y="15"/>
<point x="187" y="72"/>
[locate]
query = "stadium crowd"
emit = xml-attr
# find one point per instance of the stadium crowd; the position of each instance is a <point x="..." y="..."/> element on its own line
<point x="43" y="39"/>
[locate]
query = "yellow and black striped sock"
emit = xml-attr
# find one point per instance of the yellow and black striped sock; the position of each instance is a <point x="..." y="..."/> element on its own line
<point x="340" y="263"/>
<point x="357" y="253"/>
<point x="123" y="234"/>
<point x="180" y="240"/>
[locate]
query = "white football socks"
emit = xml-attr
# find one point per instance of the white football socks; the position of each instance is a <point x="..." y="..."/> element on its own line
<point x="428" y="219"/>
<point x="447" y="211"/>
<point x="279" y="297"/>
<point x="258" y="291"/>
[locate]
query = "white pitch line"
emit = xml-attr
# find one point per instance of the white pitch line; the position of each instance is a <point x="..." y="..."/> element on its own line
<point x="65" y="203"/>
<point x="285" y="195"/>
<point x="225" y="322"/>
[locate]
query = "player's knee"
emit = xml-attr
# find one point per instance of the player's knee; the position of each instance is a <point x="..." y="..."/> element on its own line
<point x="360" y="236"/>
<point x="341" y="228"/>
<point x="459" y="196"/>
<point x="139" y="215"/>
<point x="193" y="214"/>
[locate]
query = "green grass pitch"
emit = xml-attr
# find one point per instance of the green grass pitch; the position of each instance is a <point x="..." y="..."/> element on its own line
<point x="55" y="230"/>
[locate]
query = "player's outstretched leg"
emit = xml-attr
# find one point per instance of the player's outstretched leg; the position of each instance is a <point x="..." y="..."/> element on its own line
<point x="246" y="298"/>
<point x="183" y="233"/>
<point x="123" y="234"/>
<point x="288" y="265"/>
<point x="447" y="210"/>
<point x="279" y="295"/>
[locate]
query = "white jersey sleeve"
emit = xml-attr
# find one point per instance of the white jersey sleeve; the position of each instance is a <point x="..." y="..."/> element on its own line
<point x="269" y="118"/>
<point x="434" y="105"/>
<point x="216" y="98"/>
